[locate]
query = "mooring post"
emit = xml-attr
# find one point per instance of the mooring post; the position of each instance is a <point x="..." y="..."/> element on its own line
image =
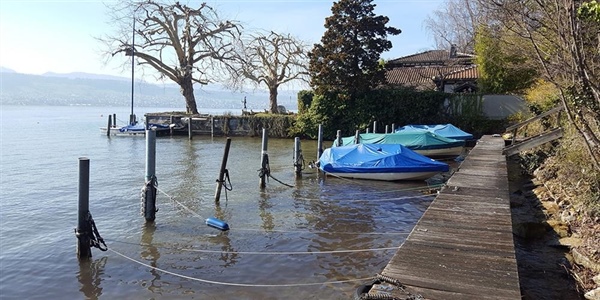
<point x="393" y="127"/>
<point x="108" y="126"/>
<point x="297" y="157"/>
<point x="223" y="171"/>
<point x="357" y="137"/>
<point x="84" y="230"/>
<point x="212" y="126"/>
<point x="338" y="138"/>
<point x="386" y="129"/>
<point x="264" y="161"/>
<point x="367" y="131"/>
<point x="320" y="142"/>
<point x="171" y="125"/>
<point x="114" y="120"/>
<point x="150" y="187"/>
<point x="190" y="127"/>
<point x="374" y="126"/>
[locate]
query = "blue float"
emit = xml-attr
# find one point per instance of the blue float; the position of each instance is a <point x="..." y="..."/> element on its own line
<point x="216" y="223"/>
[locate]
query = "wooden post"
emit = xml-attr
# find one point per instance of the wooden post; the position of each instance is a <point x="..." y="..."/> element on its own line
<point x="264" y="161"/>
<point x="338" y="138"/>
<point x="212" y="126"/>
<point x="393" y="127"/>
<point x="190" y="128"/>
<point x="222" y="172"/>
<point x="84" y="230"/>
<point x="357" y="137"/>
<point x="108" y="126"/>
<point x="114" y="120"/>
<point x="150" y="188"/>
<point x="297" y="157"/>
<point x="367" y="130"/>
<point x="374" y="126"/>
<point x="386" y="129"/>
<point x="171" y="125"/>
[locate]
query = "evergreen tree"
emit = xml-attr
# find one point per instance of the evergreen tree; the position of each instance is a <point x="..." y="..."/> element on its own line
<point x="347" y="59"/>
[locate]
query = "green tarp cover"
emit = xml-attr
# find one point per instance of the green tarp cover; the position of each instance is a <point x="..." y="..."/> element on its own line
<point x="422" y="140"/>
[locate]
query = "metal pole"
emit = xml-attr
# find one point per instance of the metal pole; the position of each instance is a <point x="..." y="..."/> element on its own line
<point x="386" y="129"/>
<point x="212" y="126"/>
<point x="222" y="172"/>
<point x="393" y="127"/>
<point x="84" y="229"/>
<point x="264" y="160"/>
<point x="108" y="126"/>
<point x="357" y="137"/>
<point x="297" y="157"/>
<point x="338" y="138"/>
<point x="374" y="126"/>
<point x="367" y="130"/>
<point x="190" y="127"/>
<point x="320" y="142"/>
<point x="132" y="117"/>
<point x="150" y="188"/>
<point x="114" y="120"/>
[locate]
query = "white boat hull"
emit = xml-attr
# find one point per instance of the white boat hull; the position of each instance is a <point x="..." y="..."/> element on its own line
<point x="443" y="152"/>
<point x="114" y="131"/>
<point x="387" y="176"/>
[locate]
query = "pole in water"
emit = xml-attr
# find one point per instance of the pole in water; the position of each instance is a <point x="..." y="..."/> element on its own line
<point x="190" y="127"/>
<point x="374" y="126"/>
<point x="221" y="179"/>
<point x="393" y="127"/>
<point x="320" y="142"/>
<point x="357" y="137"/>
<point x="297" y="157"/>
<point x="84" y="230"/>
<point x="386" y="129"/>
<point x="338" y="138"/>
<point x="108" y="126"/>
<point x="264" y="161"/>
<point x="114" y="124"/>
<point x="150" y="185"/>
<point x="171" y="125"/>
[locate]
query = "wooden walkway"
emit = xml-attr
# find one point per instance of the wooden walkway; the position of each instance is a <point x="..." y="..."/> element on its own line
<point x="462" y="247"/>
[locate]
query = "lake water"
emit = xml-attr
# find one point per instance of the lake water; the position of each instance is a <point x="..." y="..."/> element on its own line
<point x="317" y="240"/>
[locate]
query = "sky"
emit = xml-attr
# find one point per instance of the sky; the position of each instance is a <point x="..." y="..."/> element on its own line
<point x="39" y="36"/>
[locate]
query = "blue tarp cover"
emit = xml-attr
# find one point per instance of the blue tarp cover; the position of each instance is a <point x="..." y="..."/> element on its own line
<point x="381" y="158"/>
<point x="447" y="130"/>
<point x="133" y="128"/>
<point x="414" y="140"/>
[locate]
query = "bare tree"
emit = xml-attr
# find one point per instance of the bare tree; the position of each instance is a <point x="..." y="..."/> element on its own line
<point x="565" y="46"/>
<point x="180" y="42"/>
<point x="455" y="23"/>
<point x="269" y="59"/>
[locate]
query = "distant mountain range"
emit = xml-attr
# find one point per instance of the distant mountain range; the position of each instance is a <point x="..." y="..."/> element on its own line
<point x="105" y="90"/>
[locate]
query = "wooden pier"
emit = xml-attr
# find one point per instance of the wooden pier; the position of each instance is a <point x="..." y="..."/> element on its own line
<point x="462" y="247"/>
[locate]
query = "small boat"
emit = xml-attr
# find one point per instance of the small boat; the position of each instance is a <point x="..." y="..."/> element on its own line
<point x="422" y="142"/>
<point x="136" y="129"/>
<point x="446" y="130"/>
<point x="379" y="162"/>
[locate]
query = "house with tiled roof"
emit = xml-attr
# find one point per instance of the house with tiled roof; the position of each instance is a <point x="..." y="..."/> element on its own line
<point x="441" y="70"/>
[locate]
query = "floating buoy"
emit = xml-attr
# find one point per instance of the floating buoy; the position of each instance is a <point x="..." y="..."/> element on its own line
<point x="216" y="223"/>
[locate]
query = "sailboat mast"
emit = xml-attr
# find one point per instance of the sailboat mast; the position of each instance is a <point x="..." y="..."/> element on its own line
<point x="132" y="116"/>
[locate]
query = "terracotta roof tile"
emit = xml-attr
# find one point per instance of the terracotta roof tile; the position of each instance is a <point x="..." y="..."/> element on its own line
<point x="431" y="57"/>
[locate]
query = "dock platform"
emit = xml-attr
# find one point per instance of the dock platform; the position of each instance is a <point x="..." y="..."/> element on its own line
<point x="462" y="247"/>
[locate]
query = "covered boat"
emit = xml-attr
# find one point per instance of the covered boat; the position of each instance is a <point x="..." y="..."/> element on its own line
<point x="422" y="142"/>
<point x="446" y="130"/>
<point x="379" y="162"/>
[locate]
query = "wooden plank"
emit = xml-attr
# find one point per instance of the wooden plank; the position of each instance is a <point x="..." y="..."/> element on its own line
<point x="542" y="115"/>
<point x="462" y="247"/>
<point x="534" y="142"/>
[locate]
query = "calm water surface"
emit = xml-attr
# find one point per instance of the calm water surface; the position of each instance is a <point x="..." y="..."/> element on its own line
<point x="284" y="243"/>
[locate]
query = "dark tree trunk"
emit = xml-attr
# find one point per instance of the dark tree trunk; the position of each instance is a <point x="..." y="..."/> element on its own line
<point x="187" y="90"/>
<point x="273" y="100"/>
